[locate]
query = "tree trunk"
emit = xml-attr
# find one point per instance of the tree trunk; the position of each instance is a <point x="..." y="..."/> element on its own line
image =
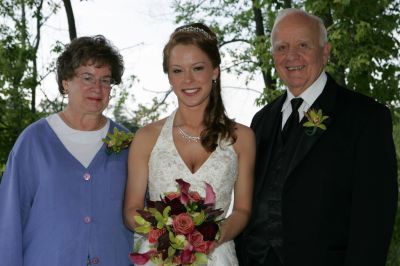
<point x="287" y="4"/>
<point x="71" y="19"/>
<point x="35" y="49"/>
<point x="269" y="82"/>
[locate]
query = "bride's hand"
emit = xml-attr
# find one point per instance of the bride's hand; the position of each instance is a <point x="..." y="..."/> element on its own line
<point x="221" y="239"/>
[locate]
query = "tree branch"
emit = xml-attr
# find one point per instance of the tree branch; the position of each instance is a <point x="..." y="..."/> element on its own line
<point x="232" y="41"/>
<point x="241" y="88"/>
<point x="71" y="19"/>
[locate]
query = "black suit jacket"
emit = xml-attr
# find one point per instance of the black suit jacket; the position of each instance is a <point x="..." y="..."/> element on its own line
<point x="340" y="196"/>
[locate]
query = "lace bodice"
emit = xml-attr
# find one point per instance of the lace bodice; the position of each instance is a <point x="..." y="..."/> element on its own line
<point x="220" y="170"/>
<point x="166" y="165"/>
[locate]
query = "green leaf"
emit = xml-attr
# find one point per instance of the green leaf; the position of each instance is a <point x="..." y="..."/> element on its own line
<point x="171" y="236"/>
<point x="308" y="124"/>
<point x="118" y="141"/>
<point x="179" y="242"/>
<point x="139" y="219"/>
<point x="158" y="216"/>
<point x="166" y="212"/>
<point x="198" y="217"/>
<point x="171" y="252"/>
<point x="144" y="229"/>
<point x="201" y="258"/>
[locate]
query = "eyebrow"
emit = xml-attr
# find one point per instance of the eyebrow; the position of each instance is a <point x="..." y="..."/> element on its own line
<point x="200" y="62"/>
<point x="279" y="42"/>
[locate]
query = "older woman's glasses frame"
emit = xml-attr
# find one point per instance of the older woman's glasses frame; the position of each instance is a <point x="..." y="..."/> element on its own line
<point x="90" y="80"/>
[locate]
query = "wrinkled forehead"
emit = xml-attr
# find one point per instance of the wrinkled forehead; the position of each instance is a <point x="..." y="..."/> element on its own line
<point x="295" y="26"/>
<point x="93" y="66"/>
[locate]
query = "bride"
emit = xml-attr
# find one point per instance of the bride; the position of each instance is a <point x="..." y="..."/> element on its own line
<point x="197" y="142"/>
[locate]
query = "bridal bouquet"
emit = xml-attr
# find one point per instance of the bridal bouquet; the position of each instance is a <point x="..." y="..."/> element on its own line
<point x="181" y="228"/>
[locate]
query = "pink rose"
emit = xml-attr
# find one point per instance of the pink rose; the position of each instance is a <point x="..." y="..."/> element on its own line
<point x="183" y="224"/>
<point x="187" y="257"/>
<point x="194" y="196"/>
<point x="173" y="195"/>
<point x="198" y="243"/>
<point x="155" y="233"/>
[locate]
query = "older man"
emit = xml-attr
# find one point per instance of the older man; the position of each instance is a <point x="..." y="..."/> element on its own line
<point x="325" y="180"/>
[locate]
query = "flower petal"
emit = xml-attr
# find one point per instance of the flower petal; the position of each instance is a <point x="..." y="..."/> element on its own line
<point x="187" y="257"/>
<point x="210" y="195"/>
<point x="141" y="258"/>
<point x="184" y="188"/>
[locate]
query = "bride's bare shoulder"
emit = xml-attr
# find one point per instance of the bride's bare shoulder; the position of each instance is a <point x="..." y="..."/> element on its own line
<point x="245" y="137"/>
<point x="152" y="128"/>
<point x="146" y="137"/>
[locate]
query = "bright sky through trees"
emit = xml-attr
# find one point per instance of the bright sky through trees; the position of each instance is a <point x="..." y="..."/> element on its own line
<point x="139" y="28"/>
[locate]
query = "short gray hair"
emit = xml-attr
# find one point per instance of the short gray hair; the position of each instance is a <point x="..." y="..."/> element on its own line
<point x="323" y="34"/>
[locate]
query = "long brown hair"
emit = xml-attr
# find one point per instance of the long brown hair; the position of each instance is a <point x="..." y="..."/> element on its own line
<point x="217" y="124"/>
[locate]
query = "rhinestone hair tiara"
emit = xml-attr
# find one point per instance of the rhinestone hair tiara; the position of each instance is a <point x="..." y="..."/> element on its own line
<point x="195" y="29"/>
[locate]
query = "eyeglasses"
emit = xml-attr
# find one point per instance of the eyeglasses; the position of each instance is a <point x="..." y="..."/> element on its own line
<point x="90" y="80"/>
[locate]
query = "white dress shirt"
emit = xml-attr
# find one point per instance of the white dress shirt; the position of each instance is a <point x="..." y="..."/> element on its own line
<point x="309" y="96"/>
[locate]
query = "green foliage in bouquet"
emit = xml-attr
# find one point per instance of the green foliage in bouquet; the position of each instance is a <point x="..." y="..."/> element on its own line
<point x="181" y="228"/>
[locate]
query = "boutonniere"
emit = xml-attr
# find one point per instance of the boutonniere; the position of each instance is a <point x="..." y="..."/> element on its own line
<point x="117" y="141"/>
<point x="315" y="120"/>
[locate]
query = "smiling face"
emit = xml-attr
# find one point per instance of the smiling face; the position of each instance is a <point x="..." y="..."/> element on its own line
<point x="84" y="96"/>
<point x="190" y="74"/>
<point x="298" y="54"/>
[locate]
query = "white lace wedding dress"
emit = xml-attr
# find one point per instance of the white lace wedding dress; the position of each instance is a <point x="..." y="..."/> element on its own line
<point x="219" y="170"/>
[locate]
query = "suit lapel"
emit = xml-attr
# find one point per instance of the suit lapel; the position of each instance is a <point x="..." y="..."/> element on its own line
<point x="325" y="102"/>
<point x="268" y="128"/>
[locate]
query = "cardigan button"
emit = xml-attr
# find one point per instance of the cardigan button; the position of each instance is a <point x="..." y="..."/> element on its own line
<point x="86" y="176"/>
<point x="87" y="219"/>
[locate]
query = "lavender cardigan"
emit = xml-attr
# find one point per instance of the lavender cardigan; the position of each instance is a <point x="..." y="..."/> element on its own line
<point x="54" y="211"/>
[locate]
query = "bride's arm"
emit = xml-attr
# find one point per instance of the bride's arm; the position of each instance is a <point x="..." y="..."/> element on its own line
<point x="243" y="190"/>
<point x="139" y="154"/>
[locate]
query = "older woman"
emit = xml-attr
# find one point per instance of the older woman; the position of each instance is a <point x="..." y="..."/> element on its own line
<point x="61" y="195"/>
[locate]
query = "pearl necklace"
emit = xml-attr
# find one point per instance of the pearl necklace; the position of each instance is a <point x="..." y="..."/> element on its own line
<point x="186" y="136"/>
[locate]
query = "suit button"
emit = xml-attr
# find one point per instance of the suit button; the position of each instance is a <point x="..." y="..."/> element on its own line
<point x="94" y="261"/>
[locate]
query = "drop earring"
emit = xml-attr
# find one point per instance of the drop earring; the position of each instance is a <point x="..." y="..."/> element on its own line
<point x="214" y="83"/>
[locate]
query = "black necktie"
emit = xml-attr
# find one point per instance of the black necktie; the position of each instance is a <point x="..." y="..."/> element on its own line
<point x="293" y="118"/>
